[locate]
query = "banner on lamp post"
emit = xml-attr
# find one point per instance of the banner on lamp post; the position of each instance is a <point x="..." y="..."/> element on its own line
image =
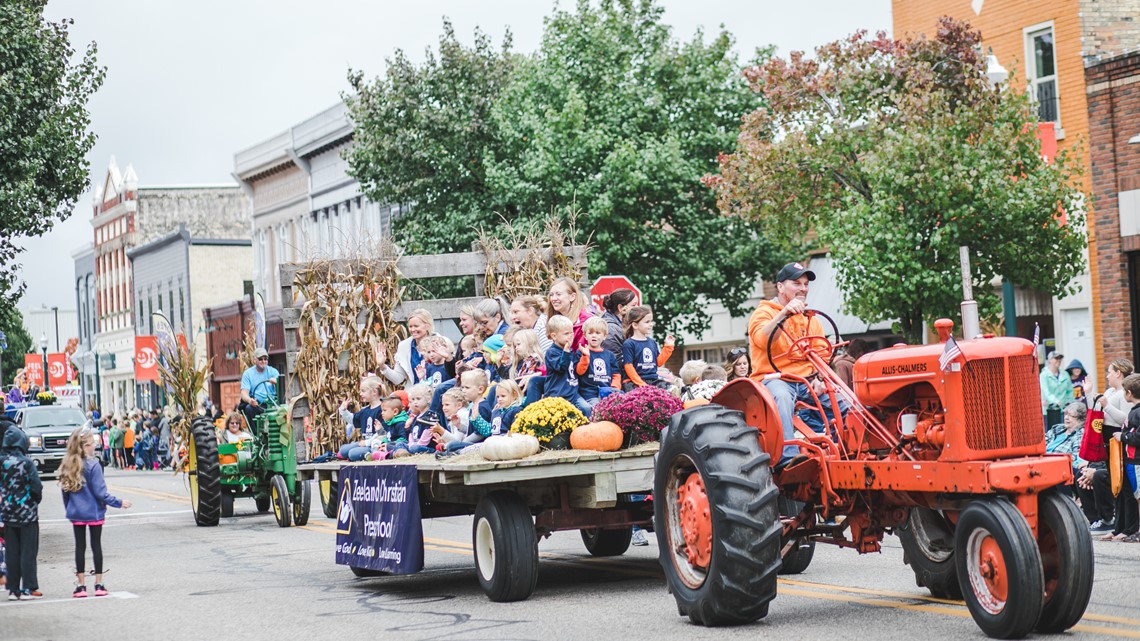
<point x="57" y="369"/>
<point x="34" y="369"/>
<point x="146" y="358"/>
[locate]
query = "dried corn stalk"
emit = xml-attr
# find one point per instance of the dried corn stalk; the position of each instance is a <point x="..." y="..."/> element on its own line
<point x="527" y="258"/>
<point x="348" y="311"/>
<point x="185" y="380"/>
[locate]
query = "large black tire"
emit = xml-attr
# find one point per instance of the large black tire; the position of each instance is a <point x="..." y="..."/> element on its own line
<point x="227" y="503"/>
<point x="506" y="547"/>
<point x="279" y="493"/>
<point x="204" y="474"/>
<point x="928" y="548"/>
<point x="263" y="503"/>
<point x="607" y="542"/>
<point x="743" y="518"/>
<point x="999" y="568"/>
<point x="302" y="503"/>
<point x="329" y="498"/>
<point x="365" y="573"/>
<point x="799" y="555"/>
<point x="1067" y="561"/>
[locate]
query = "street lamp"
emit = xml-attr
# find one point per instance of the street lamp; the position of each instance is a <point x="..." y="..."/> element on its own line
<point x="43" y="347"/>
<point x="996" y="73"/>
<point x="98" y="388"/>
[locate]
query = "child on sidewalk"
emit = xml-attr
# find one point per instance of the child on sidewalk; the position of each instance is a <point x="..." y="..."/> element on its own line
<point x="640" y="354"/>
<point x="597" y="369"/>
<point x="85" y="499"/>
<point x="20" y="494"/>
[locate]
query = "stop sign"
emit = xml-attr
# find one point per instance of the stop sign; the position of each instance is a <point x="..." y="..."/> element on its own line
<point x="608" y="284"/>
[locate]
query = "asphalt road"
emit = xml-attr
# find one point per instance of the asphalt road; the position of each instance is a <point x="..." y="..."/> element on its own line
<point x="249" y="579"/>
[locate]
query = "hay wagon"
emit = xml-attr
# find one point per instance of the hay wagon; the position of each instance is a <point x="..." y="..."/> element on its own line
<point x="515" y="503"/>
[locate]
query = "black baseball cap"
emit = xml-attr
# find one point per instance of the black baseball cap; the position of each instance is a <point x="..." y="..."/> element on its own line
<point x="792" y="271"/>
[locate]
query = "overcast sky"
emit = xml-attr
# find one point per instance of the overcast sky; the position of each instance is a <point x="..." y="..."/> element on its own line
<point x="191" y="83"/>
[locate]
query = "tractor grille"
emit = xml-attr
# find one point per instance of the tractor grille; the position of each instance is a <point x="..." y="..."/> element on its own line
<point x="1001" y="403"/>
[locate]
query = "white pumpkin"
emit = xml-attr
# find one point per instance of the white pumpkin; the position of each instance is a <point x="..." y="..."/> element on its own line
<point x="508" y="447"/>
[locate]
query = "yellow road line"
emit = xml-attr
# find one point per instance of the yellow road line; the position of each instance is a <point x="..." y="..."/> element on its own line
<point x="154" y="494"/>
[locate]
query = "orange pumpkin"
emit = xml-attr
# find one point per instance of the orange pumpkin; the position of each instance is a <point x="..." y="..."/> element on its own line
<point x="603" y="436"/>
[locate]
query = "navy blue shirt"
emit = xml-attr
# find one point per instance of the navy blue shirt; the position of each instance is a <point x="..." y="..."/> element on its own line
<point x="599" y="373"/>
<point x="368" y="421"/>
<point x="643" y="356"/>
<point x="435" y="374"/>
<point x="561" y="381"/>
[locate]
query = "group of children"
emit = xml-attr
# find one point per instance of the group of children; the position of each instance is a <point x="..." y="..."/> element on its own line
<point x="457" y="398"/>
<point x="85" y="500"/>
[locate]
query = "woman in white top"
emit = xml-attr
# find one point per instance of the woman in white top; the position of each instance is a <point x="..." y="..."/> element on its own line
<point x="1112" y="402"/>
<point x="403" y="366"/>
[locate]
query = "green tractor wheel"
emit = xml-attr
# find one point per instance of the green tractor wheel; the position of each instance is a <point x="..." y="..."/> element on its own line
<point x="301" y="503"/>
<point x="279" y="492"/>
<point x="227" y="502"/>
<point x="203" y="473"/>
<point x="329" y="498"/>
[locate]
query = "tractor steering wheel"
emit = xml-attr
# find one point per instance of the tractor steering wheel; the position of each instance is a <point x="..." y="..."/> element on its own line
<point x="807" y="341"/>
<point x="272" y="400"/>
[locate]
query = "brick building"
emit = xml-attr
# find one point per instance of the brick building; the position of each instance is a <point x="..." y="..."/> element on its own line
<point x="125" y="216"/>
<point x="1046" y="45"/>
<point x="1113" y="90"/>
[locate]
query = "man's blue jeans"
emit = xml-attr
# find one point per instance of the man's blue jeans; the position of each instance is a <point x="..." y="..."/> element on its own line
<point x="786" y="395"/>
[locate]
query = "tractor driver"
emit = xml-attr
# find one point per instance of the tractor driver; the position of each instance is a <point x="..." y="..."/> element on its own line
<point x="254" y="395"/>
<point x="788" y="306"/>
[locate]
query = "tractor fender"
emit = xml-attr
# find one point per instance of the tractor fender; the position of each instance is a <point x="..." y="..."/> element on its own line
<point x="759" y="408"/>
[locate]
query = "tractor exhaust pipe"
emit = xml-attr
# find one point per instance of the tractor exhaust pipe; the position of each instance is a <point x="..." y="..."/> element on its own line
<point x="971" y="327"/>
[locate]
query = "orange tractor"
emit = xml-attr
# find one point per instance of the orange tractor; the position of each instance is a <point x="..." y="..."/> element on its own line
<point x="952" y="460"/>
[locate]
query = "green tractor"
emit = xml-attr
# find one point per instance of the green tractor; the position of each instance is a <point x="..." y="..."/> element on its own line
<point x="264" y="468"/>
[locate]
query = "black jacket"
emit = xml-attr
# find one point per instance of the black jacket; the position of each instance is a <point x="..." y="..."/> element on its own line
<point x="20" y="487"/>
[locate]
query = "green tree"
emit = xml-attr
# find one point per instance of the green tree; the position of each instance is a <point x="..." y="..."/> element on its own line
<point x="421" y="134"/>
<point x="43" y="126"/>
<point x="19" y="342"/>
<point x="613" y="117"/>
<point x="897" y="153"/>
<point x="618" y="115"/>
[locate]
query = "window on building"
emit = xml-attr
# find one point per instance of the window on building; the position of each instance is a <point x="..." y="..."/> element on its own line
<point x="182" y="308"/>
<point x="1041" y="61"/>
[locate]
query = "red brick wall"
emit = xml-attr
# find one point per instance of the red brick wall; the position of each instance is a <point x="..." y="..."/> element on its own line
<point x="1113" y="90"/>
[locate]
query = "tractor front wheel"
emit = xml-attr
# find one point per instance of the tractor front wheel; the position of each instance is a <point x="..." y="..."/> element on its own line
<point x="302" y="502"/>
<point x="203" y="473"/>
<point x="999" y="568"/>
<point x="718" y="524"/>
<point x="928" y="548"/>
<point x="801" y="550"/>
<point x="279" y="493"/>
<point x="1067" y="560"/>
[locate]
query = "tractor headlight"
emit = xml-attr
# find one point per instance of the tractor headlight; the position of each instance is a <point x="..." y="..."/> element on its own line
<point x="35" y="442"/>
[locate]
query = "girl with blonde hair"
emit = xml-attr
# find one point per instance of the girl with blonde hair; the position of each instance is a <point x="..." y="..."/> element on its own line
<point x="85" y="499"/>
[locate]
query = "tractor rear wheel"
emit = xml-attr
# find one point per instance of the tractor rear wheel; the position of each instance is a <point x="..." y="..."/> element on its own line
<point x="203" y="473"/>
<point x="1067" y="560"/>
<point x="279" y="492"/>
<point x="928" y="548"/>
<point x="302" y="503"/>
<point x="718" y="523"/>
<point x="799" y="555"/>
<point x="607" y="542"/>
<point x="999" y="568"/>
<point x="329" y="497"/>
